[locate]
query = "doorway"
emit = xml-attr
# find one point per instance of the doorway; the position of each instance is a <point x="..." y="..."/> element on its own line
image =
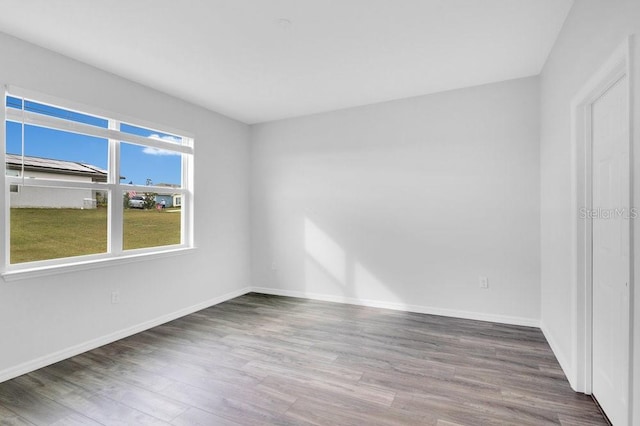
<point x="610" y="252"/>
<point x="601" y="125"/>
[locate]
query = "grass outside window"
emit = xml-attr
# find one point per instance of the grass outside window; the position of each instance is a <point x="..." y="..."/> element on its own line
<point x="49" y="233"/>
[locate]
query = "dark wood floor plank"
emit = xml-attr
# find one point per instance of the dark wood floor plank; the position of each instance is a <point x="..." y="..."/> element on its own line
<point x="129" y="403"/>
<point x="314" y="412"/>
<point x="251" y="407"/>
<point x="265" y="360"/>
<point x="9" y="418"/>
<point x="360" y="391"/>
<point x="460" y="411"/>
<point x="570" y="404"/>
<point x="32" y="406"/>
<point x="196" y="417"/>
<point x="147" y="402"/>
<point x="107" y="411"/>
<point x="380" y="361"/>
<point x="124" y="370"/>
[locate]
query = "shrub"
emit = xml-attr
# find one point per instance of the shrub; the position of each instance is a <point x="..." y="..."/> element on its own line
<point x="150" y="200"/>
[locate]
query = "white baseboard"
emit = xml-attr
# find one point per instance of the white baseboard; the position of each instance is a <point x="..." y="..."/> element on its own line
<point x="562" y="359"/>
<point x="479" y="316"/>
<point x="37" y="363"/>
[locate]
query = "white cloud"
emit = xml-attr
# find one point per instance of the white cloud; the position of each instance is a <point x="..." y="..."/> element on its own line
<point x="157" y="151"/>
<point x="166" y="138"/>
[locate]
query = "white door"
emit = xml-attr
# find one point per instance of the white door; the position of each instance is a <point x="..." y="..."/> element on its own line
<point x="611" y="173"/>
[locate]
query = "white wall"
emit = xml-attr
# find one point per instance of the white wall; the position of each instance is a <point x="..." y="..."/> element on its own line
<point x="591" y="32"/>
<point x="45" y="318"/>
<point x="405" y="203"/>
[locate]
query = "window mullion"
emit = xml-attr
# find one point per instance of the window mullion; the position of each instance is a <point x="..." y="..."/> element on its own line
<point x="35" y="119"/>
<point x="5" y="199"/>
<point x="55" y="183"/>
<point x="186" y="225"/>
<point x="115" y="217"/>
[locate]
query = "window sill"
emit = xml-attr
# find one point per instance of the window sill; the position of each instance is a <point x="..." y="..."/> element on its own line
<point x="43" y="271"/>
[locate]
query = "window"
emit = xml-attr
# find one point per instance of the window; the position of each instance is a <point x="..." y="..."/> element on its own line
<point x="88" y="186"/>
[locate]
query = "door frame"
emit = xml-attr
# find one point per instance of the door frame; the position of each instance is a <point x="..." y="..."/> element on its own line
<point x="616" y="67"/>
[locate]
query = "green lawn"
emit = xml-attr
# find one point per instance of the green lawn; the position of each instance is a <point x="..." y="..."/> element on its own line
<point x="39" y="234"/>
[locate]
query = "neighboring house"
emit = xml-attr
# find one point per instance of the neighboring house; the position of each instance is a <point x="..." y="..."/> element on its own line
<point x="167" y="198"/>
<point x="170" y="198"/>
<point x="36" y="167"/>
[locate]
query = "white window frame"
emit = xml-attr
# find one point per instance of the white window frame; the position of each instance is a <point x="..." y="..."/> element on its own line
<point x="115" y="189"/>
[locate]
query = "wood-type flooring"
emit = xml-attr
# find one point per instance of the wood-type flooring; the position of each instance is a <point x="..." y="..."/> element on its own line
<point x="269" y="360"/>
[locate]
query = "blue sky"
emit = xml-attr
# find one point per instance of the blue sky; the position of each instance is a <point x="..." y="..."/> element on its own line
<point x="137" y="163"/>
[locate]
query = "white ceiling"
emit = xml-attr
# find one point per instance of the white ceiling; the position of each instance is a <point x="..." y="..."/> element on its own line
<point x="234" y="57"/>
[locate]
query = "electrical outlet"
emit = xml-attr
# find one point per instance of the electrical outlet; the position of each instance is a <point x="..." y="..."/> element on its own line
<point x="484" y="282"/>
<point x="115" y="297"/>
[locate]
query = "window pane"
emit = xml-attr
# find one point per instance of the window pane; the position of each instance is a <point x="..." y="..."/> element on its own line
<point x="13" y="102"/>
<point x="140" y="165"/>
<point x="150" y="220"/>
<point x="52" y="223"/>
<point x="151" y="134"/>
<point x="62" y="222"/>
<point x="55" y="154"/>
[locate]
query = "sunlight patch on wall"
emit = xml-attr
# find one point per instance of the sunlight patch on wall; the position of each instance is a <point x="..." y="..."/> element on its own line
<point x="368" y="285"/>
<point x="325" y="252"/>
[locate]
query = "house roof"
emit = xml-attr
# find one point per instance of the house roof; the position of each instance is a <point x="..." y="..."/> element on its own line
<point x="49" y="165"/>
